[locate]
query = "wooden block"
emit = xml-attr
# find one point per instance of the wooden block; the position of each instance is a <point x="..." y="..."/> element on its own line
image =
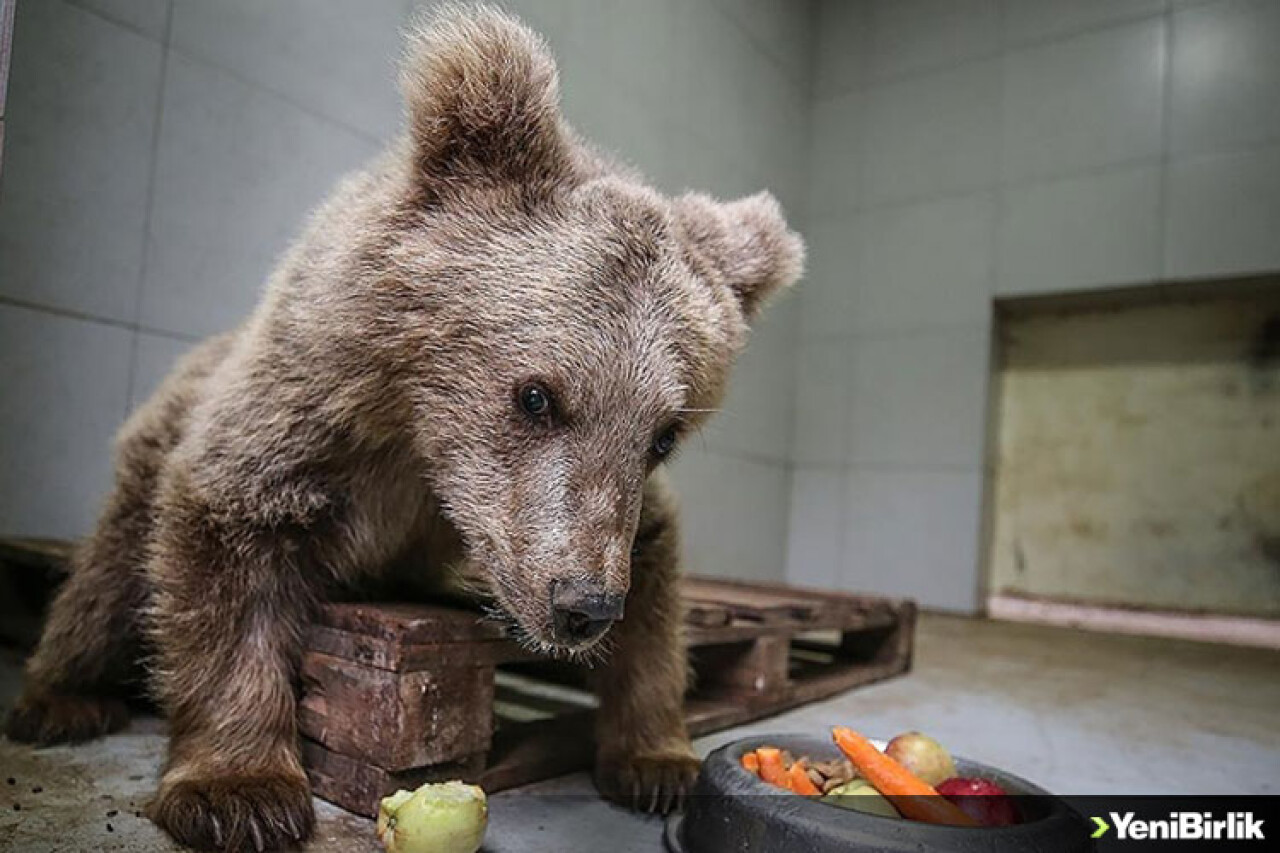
<point x="758" y="666"/>
<point x="31" y="570"/>
<point x="751" y="601"/>
<point x="358" y="786"/>
<point x="396" y="720"/>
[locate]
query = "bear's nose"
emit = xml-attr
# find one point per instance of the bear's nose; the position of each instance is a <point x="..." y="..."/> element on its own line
<point x="581" y="611"/>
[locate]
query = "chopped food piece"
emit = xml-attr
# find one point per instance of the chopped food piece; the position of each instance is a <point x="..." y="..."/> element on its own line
<point x="831" y="784"/>
<point x="860" y="795"/>
<point x="923" y="756"/>
<point x="772" y="770"/>
<point x="798" y="780"/>
<point x="912" y="797"/>
<point x="983" y="800"/>
<point x="437" y="818"/>
<point x="836" y="768"/>
<point x="751" y="762"/>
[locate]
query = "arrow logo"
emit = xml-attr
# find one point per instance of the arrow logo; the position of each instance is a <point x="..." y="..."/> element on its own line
<point x="1103" y="826"/>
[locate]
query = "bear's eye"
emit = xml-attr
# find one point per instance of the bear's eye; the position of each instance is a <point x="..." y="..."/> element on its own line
<point x="535" y="401"/>
<point x="663" y="444"/>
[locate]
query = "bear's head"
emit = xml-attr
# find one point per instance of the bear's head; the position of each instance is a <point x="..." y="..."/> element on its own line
<point x="561" y="326"/>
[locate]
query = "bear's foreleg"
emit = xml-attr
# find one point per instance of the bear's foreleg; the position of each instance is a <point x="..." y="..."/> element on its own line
<point x="644" y="758"/>
<point x="230" y="607"/>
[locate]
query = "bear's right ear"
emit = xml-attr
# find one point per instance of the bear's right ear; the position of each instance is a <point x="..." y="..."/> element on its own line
<point x="483" y="102"/>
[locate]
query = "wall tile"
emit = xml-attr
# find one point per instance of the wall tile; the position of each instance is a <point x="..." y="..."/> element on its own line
<point x="815" y="535"/>
<point x="915" y="35"/>
<point x="920" y="399"/>
<point x="827" y="292"/>
<point x="1226" y="76"/>
<point x="335" y="57"/>
<point x="779" y="28"/>
<point x="756" y="415"/>
<point x="824" y="378"/>
<point x="925" y="264"/>
<point x="914" y="533"/>
<point x="632" y="130"/>
<point x="931" y="135"/>
<point x="153" y="358"/>
<point x="1084" y="232"/>
<point x="843" y="37"/>
<point x="710" y="66"/>
<point x="81" y="113"/>
<point x="1087" y="102"/>
<point x="696" y="165"/>
<point x="1029" y="20"/>
<point x="237" y="171"/>
<point x="628" y="47"/>
<point x="836" y="146"/>
<point x="734" y="515"/>
<point x="780" y="110"/>
<point x="146" y="16"/>
<point x="64" y="396"/>
<point x="1223" y="215"/>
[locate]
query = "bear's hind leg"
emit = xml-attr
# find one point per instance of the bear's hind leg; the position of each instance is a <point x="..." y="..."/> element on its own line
<point x="87" y="661"/>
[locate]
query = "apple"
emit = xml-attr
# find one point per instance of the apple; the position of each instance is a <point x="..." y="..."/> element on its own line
<point x="449" y="817"/>
<point x="981" y="799"/>
<point x="927" y="759"/>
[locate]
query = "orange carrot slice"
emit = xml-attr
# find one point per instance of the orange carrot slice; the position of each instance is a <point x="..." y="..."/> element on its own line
<point x="799" y="781"/>
<point x="915" y="798"/>
<point x="751" y="762"/>
<point x="771" y="769"/>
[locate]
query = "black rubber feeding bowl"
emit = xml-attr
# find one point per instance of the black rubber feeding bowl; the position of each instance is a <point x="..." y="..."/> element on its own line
<point x="732" y="810"/>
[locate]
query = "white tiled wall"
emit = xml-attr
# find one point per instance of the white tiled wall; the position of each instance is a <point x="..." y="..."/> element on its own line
<point x="162" y="153"/>
<point x="938" y="153"/>
<point x="967" y="150"/>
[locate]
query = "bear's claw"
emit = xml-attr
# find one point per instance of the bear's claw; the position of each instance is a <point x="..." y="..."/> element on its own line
<point x="236" y="813"/>
<point x="656" y="783"/>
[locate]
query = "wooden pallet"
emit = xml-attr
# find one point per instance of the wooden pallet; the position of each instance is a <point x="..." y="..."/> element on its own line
<point x="394" y="695"/>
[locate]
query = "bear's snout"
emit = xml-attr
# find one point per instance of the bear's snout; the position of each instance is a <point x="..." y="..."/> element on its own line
<point x="581" y="611"/>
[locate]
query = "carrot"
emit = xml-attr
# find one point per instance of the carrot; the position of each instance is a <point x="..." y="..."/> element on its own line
<point x="771" y="769"/>
<point x="798" y="780"/>
<point x="751" y="761"/>
<point x="913" y="797"/>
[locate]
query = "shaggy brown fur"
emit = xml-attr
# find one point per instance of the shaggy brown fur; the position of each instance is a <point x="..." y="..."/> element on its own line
<point x="372" y="412"/>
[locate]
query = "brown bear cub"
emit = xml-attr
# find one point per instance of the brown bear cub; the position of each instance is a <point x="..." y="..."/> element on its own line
<point x="471" y="364"/>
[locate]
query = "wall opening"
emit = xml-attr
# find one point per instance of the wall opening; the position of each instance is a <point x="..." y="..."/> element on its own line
<point x="1136" y="452"/>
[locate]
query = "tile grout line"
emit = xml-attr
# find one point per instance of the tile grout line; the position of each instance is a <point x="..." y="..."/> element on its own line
<point x="1129" y="164"/>
<point x="259" y="86"/>
<point x="998" y="200"/>
<point x="1166" y="148"/>
<point x="152" y="169"/>
<point x="112" y="20"/>
<point x="110" y="322"/>
<point x="1003" y="49"/>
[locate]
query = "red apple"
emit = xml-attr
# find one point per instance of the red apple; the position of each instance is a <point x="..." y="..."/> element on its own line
<point x="981" y="799"/>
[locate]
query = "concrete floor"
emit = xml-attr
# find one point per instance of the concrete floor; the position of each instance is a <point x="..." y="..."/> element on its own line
<point x="1078" y="713"/>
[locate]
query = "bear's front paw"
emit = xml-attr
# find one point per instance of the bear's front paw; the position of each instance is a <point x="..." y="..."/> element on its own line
<point x="654" y="782"/>
<point x="49" y="718"/>
<point x="235" y="813"/>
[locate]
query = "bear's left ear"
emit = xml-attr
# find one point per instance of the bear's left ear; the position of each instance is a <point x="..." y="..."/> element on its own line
<point x="483" y="102"/>
<point x="744" y="245"/>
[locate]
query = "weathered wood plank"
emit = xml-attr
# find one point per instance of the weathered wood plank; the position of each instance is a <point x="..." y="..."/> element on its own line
<point x="396" y="720"/>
